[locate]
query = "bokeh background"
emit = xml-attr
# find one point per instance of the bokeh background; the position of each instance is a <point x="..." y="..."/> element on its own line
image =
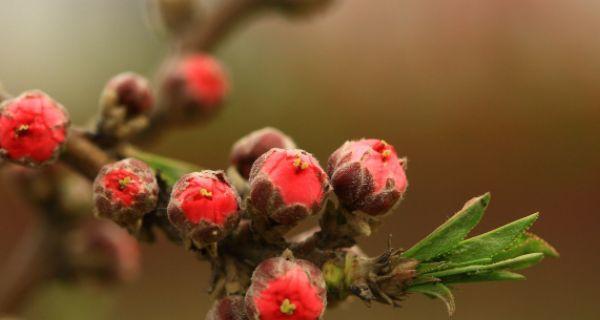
<point x="496" y="95"/>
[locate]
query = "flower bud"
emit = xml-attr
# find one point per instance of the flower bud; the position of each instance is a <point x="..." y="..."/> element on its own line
<point x="125" y="191"/>
<point x="228" y="308"/>
<point x="103" y="250"/>
<point x="286" y="288"/>
<point x="367" y="176"/>
<point x="250" y="147"/>
<point x="204" y="207"/>
<point x="195" y="87"/>
<point x="129" y="91"/>
<point x="287" y="186"/>
<point x="33" y="129"/>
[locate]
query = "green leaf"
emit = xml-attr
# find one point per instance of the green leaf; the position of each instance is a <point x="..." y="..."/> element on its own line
<point x="483" y="277"/>
<point x="439" y="291"/>
<point x="488" y="244"/>
<point x="527" y="243"/>
<point x="429" y="267"/>
<point x="517" y="263"/>
<point x="168" y="169"/>
<point x="449" y="234"/>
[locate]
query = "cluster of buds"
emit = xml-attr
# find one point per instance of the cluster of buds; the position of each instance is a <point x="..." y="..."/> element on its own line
<point x="194" y="88"/>
<point x="33" y="129"/>
<point x="124" y="192"/>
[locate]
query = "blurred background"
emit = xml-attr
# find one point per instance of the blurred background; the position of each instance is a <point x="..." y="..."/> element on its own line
<point x="498" y="95"/>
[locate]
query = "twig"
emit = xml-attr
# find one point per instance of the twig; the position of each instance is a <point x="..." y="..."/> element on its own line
<point x="204" y="35"/>
<point x="83" y="155"/>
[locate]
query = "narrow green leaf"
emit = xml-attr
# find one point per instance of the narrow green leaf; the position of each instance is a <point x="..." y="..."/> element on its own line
<point x="439" y="291"/>
<point x="517" y="263"/>
<point x="429" y="267"/>
<point x="488" y="244"/>
<point x="168" y="169"/>
<point x="527" y="243"/>
<point x="483" y="277"/>
<point x="449" y="234"/>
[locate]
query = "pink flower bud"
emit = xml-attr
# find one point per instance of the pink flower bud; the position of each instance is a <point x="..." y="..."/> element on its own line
<point x="195" y="87"/>
<point x="33" y="129"/>
<point x="125" y="191"/>
<point x="286" y="288"/>
<point x="367" y="175"/>
<point x="130" y="91"/>
<point x="250" y="147"/>
<point x="103" y="250"/>
<point x="204" y="206"/>
<point x="228" y="308"/>
<point x="287" y="186"/>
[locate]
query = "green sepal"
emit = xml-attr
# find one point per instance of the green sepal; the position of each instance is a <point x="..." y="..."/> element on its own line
<point x="517" y="263"/>
<point x="501" y="275"/>
<point x="527" y="243"/>
<point x="488" y="244"/>
<point x="449" y="234"/>
<point x="436" y="290"/>
<point x="170" y="170"/>
<point x="335" y="280"/>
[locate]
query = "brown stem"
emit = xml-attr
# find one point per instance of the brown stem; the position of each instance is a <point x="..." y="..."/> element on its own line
<point x="83" y="155"/>
<point x="204" y="35"/>
<point x="29" y="265"/>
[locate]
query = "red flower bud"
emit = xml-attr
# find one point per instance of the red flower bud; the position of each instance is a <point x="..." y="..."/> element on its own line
<point x="103" y="250"/>
<point x="130" y="91"/>
<point x="250" y="147"/>
<point x="124" y="191"/>
<point x="287" y="186"/>
<point x="286" y="288"/>
<point x="195" y="86"/>
<point x="33" y="129"/>
<point x="228" y="308"/>
<point x="367" y="175"/>
<point x="204" y="207"/>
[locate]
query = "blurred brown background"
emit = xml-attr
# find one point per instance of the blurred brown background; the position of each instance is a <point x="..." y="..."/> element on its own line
<point x="497" y="95"/>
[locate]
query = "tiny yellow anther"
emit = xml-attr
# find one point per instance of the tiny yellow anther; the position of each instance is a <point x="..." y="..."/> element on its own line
<point x="287" y="307"/>
<point x="299" y="164"/>
<point x="386" y="153"/>
<point x="21" y="129"/>
<point x="123" y="183"/>
<point x="205" y="193"/>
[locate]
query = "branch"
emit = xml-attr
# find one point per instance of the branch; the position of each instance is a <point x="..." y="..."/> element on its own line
<point x="83" y="155"/>
<point x="205" y="35"/>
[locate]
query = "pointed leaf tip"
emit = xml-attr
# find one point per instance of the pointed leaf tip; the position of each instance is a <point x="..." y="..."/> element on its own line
<point x="449" y="234"/>
<point x="491" y="243"/>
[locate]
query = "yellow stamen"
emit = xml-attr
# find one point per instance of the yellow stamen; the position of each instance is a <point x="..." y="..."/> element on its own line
<point x="386" y="153"/>
<point x="205" y="193"/>
<point x="21" y="129"/>
<point x="124" y="182"/>
<point x="287" y="307"/>
<point x="299" y="164"/>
